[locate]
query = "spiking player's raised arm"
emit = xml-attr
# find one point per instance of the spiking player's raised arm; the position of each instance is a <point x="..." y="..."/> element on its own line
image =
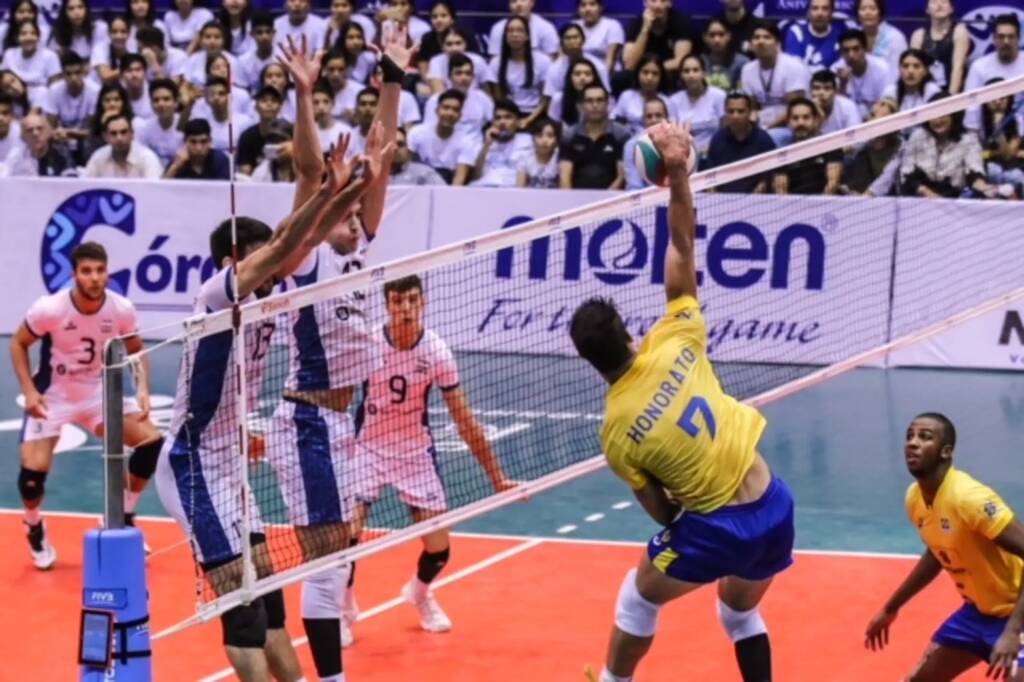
<point x="675" y="144"/>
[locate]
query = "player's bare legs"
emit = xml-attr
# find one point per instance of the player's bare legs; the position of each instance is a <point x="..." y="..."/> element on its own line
<point x="625" y="650"/>
<point x="436" y="549"/>
<point x="146" y="442"/>
<point x="36" y="460"/>
<point x="738" y="597"/>
<point x="942" y="663"/>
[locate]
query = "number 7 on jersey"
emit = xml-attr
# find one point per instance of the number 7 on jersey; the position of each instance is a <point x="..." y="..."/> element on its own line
<point x="686" y="419"/>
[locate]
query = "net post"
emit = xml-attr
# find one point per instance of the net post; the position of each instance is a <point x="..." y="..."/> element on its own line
<point x="113" y="435"/>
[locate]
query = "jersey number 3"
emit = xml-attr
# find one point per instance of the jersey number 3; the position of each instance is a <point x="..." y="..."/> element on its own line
<point x="686" y="422"/>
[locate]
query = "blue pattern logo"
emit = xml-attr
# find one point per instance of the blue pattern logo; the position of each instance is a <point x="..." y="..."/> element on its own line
<point x="68" y="226"/>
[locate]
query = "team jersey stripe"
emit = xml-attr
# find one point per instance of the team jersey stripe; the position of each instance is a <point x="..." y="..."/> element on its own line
<point x="318" y="474"/>
<point x="44" y="375"/>
<point x="31" y="331"/>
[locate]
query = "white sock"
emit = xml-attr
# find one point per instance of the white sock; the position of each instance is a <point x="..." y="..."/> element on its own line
<point x="131" y="500"/>
<point x="419" y="589"/>
<point x="340" y="677"/>
<point x="609" y="677"/>
<point x="33" y="516"/>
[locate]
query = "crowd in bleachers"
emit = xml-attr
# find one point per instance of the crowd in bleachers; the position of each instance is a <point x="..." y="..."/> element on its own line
<point x="135" y="94"/>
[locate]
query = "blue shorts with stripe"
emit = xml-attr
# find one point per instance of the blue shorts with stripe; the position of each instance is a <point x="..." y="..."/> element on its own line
<point x="971" y="630"/>
<point x="753" y="541"/>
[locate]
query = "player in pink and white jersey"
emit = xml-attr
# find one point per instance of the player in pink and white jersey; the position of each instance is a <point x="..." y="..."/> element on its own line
<point x="394" y="444"/>
<point x="74" y="326"/>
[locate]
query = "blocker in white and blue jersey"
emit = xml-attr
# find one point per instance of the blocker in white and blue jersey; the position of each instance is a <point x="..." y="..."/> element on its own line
<point x="71" y="360"/>
<point x="199" y="476"/>
<point x="394" y="445"/>
<point x="330" y="348"/>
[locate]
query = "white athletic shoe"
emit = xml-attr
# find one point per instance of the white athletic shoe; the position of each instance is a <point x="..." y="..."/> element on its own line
<point x="432" y="616"/>
<point x="44" y="556"/>
<point x="347" y="638"/>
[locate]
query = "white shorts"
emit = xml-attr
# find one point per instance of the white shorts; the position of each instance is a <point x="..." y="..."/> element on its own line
<point x="416" y="477"/>
<point x="307" y="446"/>
<point x="201" y="488"/>
<point x="62" y="409"/>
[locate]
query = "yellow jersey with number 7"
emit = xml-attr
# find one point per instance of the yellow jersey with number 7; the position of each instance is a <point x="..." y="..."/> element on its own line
<point x="667" y="418"/>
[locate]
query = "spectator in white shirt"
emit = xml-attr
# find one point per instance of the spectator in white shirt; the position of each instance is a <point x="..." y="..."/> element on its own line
<point x="454" y="42"/>
<point x="409" y="113"/>
<point x="38" y="156"/>
<point x="405" y="171"/>
<point x="76" y="30"/>
<point x="214" y="40"/>
<point x="297" y="22"/>
<point x="141" y="14"/>
<point x="572" y="49"/>
<point x="366" y="111"/>
<point x="342" y="12"/>
<point x="884" y="40"/>
<point x="862" y="77"/>
<point x="328" y="128"/>
<point x="400" y="12"/>
<point x="648" y="84"/>
<point x="161" y="132"/>
<point x="438" y="145"/>
<point x="344" y="90"/>
<point x="241" y="102"/>
<point x="603" y="36"/>
<point x="477" y="107"/>
<point x="22" y="10"/>
<point x="216" y="97"/>
<point x="540" y="169"/>
<point x="183" y="22"/>
<point x="1006" y="62"/>
<point x="276" y="76"/>
<point x="443" y="20"/>
<point x="35" y="65"/>
<point x="106" y="56"/>
<point x="112" y="100"/>
<point x="234" y="15"/>
<point x="518" y="73"/>
<point x="133" y="78"/>
<point x="252" y="63"/>
<point x="10" y="130"/>
<point x="161" y="61"/>
<point x="915" y="85"/>
<point x="542" y="33"/>
<point x="838" y="112"/>
<point x="565" y="103"/>
<point x="361" y="59"/>
<point x="14" y="87"/>
<point x="278" y="155"/>
<point x="70" y="102"/>
<point x="494" y="161"/>
<point x="122" y="157"/>
<point x="698" y="103"/>
<point x="773" y="79"/>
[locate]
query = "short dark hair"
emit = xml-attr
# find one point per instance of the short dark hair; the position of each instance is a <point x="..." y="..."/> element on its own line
<point x="88" y="251"/>
<point x="458" y="60"/>
<point x="879" y="3"/>
<point x="766" y="25"/>
<point x="163" y="84"/>
<point x="335" y="53"/>
<point x="802" y="102"/>
<point x="324" y="88"/>
<point x="598" y="85"/>
<point x="854" y="34"/>
<point x="505" y="104"/>
<point x="132" y="58"/>
<point x="402" y="285"/>
<point x="824" y="76"/>
<point x="6" y="100"/>
<point x="260" y="18"/>
<point x="71" y="58"/>
<point x="452" y="93"/>
<point x="151" y="36"/>
<point x="948" y="430"/>
<point x="368" y="91"/>
<point x="197" y="126"/>
<point x="1006" y="20"/>
<point x="599" y="335"/>
<point x="217" y="80"/>
<point x="249" y="230"/>
<point x="114" y="117"/>
<point x="739" y="94"/>
<point x="269" y="91"/>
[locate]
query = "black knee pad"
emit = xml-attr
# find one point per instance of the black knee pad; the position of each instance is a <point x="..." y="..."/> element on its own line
<point x="142" y="462"/>
<point x="245" y="627"/>
<point x="273" y="602"/>
<point x="431" y="563"/>
<point x="31" y="484"/>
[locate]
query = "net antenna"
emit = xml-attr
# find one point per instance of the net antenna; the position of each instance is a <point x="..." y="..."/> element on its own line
<point x="448" y="271"/>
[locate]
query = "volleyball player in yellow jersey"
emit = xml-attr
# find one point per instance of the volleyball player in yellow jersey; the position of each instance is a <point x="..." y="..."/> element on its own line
<point x="688" y="450"/>
<point x="975" y="537"/>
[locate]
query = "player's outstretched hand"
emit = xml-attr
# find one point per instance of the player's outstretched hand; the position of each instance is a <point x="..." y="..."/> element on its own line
<point x="378" y="155"/>
<point x="1002" y="662"/>
<point x="35" y="405"/>
<point x="395" y="44"/>
<point x="339" y="168"/>
<point x="876" y="637"/>
<point x="304" y="67"/>
<point x="673" y="142"/>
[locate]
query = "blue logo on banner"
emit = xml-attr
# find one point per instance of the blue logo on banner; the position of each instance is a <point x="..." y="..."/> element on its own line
<point x="104" y="599"/>
<point x="68" y="226"/>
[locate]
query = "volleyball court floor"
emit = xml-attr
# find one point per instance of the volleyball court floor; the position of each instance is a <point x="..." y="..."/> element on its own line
<point x="531" y="587"/>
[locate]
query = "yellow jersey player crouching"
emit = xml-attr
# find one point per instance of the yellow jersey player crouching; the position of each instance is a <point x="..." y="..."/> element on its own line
<point x="974" y="536"/>
<point x="688" y="450"/>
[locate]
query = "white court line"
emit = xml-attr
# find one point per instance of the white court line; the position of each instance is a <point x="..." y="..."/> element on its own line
<point x="398" y="601"/>
<point x="542" y="538"/>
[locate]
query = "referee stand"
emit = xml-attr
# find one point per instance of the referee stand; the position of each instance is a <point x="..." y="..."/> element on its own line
<point x="113" y="639"/>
